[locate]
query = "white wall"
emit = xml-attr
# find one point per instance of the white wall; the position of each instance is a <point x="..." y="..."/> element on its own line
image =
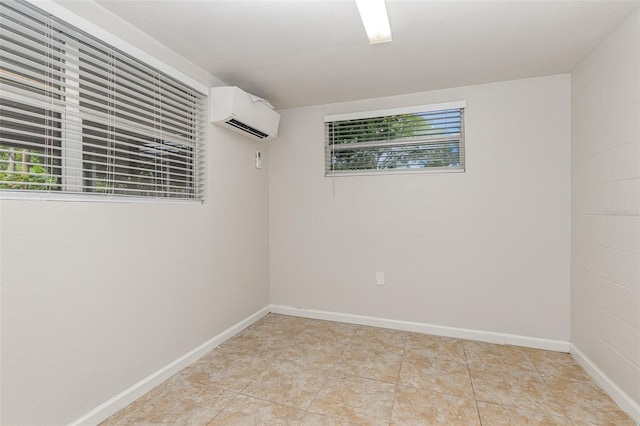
<point x="97" y="296"/>
<point x="605" y="266"/>
<point x="487" y="250"/>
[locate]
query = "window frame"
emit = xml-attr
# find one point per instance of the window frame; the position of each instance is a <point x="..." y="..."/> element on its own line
<point x="199" y="162"/>
<point x="428" y="108"/>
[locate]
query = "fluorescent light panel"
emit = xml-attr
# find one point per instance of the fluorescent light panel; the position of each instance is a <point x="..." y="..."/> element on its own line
<point x="375" y="19"/>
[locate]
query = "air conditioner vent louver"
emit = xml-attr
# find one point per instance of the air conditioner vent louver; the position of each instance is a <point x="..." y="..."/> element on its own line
<point x="242" y="126"/>
<point x="243" y="113"/>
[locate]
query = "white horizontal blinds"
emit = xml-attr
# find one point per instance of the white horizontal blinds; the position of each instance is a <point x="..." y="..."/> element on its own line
<point x="140" y="129"/>
<point x="408" y="141"/>
<point x="123" y="127"/>
<point x="30" y="116"/>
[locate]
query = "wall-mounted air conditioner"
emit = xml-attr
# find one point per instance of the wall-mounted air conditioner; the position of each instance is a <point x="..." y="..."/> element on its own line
<point x="241" y="112"/>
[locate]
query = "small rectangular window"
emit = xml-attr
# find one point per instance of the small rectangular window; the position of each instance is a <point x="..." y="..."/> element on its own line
<point x="423" y="138"/>
<point x="30" y="155"/>
<point x="80" y="116"/>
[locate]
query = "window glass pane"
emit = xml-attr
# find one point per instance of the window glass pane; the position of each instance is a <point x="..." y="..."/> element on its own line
<point x="411" y="141"/>
<point x="117" y="161"/>
<point x="30" y="141"/>
<point x="80" y="116"/>
<point x="397" y="157"/>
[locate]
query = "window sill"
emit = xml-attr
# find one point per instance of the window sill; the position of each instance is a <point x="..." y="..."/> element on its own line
<point x="88" y="198"/>
<point x="392" y="172"/>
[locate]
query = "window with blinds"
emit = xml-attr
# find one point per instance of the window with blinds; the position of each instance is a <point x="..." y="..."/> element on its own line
<point x="79" y="116"/>
<point x="423" y="138"/>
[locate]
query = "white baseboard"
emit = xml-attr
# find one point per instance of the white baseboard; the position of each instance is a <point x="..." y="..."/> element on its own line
<point x="620" y="397"/>
<point x="126" y="397"/>
<point x="438" y="330"/>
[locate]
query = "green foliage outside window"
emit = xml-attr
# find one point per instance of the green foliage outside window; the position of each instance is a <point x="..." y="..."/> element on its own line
<point x="24" y="169"/>
<point x="372" y="144"/>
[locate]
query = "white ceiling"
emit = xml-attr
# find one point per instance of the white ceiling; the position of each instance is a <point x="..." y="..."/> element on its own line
<point x="308" y="52"/>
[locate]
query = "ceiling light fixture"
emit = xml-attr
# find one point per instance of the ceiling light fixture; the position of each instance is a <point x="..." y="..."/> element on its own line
<point x="375" y="19"/>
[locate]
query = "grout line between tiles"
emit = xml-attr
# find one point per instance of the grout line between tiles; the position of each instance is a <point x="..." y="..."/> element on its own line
<point x="331" y="370"/>
<point x="544" y="382"/>
<point x="223" y="408"/>
<point x="395" y="391"/>
<point x="473" y="389"/>
<point x="121" y="421"/>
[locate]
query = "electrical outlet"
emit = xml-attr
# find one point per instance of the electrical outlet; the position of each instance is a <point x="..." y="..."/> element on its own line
<point x="380" y="278"/>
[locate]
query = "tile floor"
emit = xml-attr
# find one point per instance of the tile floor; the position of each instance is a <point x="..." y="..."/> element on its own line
<point x="293" y="371"/>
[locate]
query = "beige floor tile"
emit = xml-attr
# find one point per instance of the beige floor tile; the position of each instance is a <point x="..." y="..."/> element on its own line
<point x="498" y="415"/>
<point x="314" y="337"/>
<point x="497" y="354"/>
<point x="309" y="322"/>
<point x="421" y="407"/>
<point x="330" y="329"/>
<point x="277" y="321"/>
<point x="247" y="411"/>
<point x="288" y="383"/>
<point x="181" y="402"/>
<point x="379" y="333"/>
<point x="321" y="354"/>
<point x="485" y="368"/>
<point x="586" y="402"/>
<point x="232" y="373"/>
<point x="380" y="338"/>
<point x="540" y="355"/>
<point x="310" y="329"/>
<point x="622" y="423"/>
<point x="312" y="419"/>
<point x="355" y="400"/>
<point x="135" y="405"/>
<point x="557" y="364"/>
<point x="371" y="362"/>
<point x="265" y="338"/>
<point x="434" y="346"/>
<point x="245" y="345"/>
<point x="269" y="336"/>
<point x="437" y="375"/>
<point x="526" y="391"/>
